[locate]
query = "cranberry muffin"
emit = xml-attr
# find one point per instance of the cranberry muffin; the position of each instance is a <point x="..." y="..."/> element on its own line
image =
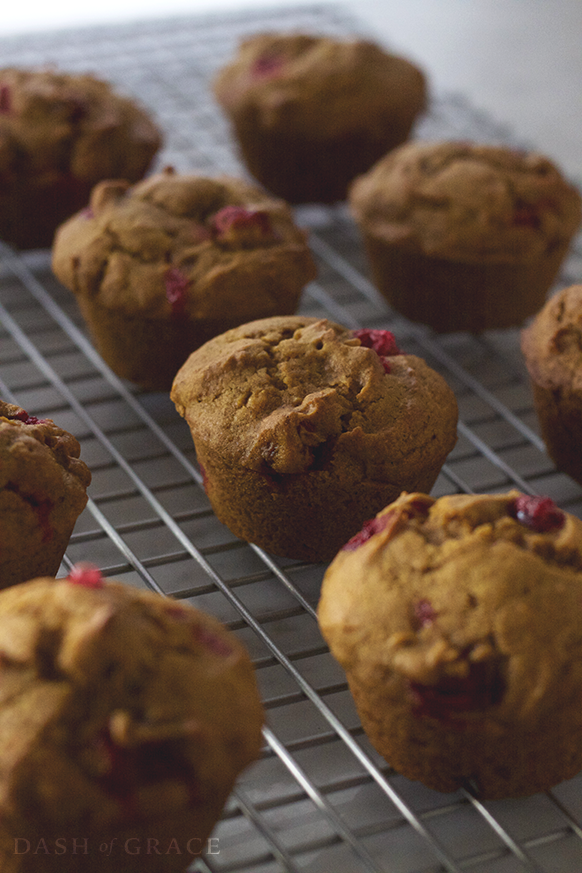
<point x="309" y="113"/>
<point x="464" y="236"/>
<point x="301" y="425"/>
<point x="456" y="621"/>
<point x="126" y="718"/>
<point x="43" y="490"/>
<point x="552" y="348"/>
<point x="163" y="266"/>
<point x="60" y="134"/>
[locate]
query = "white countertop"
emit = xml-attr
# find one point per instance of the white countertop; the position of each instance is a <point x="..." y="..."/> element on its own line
<point x="519" y="60"/>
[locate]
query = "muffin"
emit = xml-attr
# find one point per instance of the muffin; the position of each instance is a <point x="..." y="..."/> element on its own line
<point x="60" y="134"/>
<point x="43" y="490"/>
<point x="301" y="425"/>
<point x="125" y="720"/>
<point x="552" y="348"/>
<point x="461" y="236"/>
<point x="163" y="266"/>
<point x="309" y="113"/>
<point x="456" y="621"/>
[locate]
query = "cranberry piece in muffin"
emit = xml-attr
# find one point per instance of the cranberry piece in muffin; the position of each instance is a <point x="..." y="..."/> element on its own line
<point x="382" y="341"/>
<point x="538" y="513"/>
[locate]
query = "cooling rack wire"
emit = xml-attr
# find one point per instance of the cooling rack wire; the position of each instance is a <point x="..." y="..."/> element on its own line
<point x="320" y="800"/>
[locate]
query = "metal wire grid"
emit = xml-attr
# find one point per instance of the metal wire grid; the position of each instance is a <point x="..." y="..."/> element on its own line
<point x="320" y="799"/>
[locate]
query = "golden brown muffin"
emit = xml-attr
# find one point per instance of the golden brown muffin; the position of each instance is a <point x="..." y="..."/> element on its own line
<point x="552" y="347"/>
<point x="456" y="621"/>
<point x="301" y="425"/>
<point x="163" y="266"/>
<point x="125" y="719"/>
<point x="43" y="490"/>
<point x="60" y="134"/>
<point x="310" y="113"/>
<point x="462" y="236"/>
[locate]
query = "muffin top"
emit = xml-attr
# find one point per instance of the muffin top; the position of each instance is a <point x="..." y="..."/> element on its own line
<point x="467" y="606"/>
<point x="293" y="394"/>
<point x="175" y="245"/>
<point x="55" y="123"/>
<point x="467" y="202"/>
<point x="39" y="462"/>
<point x="316" y="83"/>
<point x="117" y="704"/>
<point x="552" y="343"/>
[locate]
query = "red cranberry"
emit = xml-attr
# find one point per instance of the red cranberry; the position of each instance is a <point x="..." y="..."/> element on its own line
<point x="24" y="417"/>
<point x="369" y="529"/>
<point x="217" y="645"/>
<point x="453" y="696"/>
<point x="538" y="513"/>
<point x="530" y="214"/>
<point x="382" y="341"/>
<point x="242" y="226"/>
<point x="176" y="283"/>
<point x="414" y="508"/>
<point x="424" y="613"/>
<point x="203" y="635"/>
<point x="267" y="66"/>
<point x="526" y="215"/>
<point x="86" y="575"/>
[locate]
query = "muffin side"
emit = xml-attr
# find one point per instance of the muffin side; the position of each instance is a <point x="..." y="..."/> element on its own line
<point x="552" y="348"/>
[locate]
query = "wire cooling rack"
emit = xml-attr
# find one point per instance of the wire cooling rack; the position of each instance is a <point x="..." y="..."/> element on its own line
<point x="320" y="800"/>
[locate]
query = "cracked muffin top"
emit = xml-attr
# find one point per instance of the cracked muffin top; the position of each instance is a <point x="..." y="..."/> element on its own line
<point x="118" y="706"/>
<point x="467" y="202"/>
<point x="468" y="604"/>
<point x="55" y="123"/>
<point x="316" y="83"/>
<point x="288" y="394"/>
<point x="184" y="245"/>
<point x="552" y="343"/>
